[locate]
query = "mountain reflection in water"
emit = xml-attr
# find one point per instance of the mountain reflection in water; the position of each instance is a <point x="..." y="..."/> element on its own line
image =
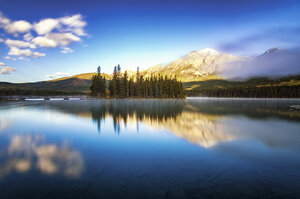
<point x="205" y="122"/>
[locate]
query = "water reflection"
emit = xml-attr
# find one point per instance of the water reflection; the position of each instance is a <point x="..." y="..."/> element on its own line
<point x="205" y="122"/>
<point x="240" y="149"/>
<point x="4" y="124"/>
<point x="132" y="111"/>
<point x="25" y="152"/>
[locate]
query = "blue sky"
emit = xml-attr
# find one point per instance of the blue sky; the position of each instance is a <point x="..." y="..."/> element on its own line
<point x="72" y="37"/>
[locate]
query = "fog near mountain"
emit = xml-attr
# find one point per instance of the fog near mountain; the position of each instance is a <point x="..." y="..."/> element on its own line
<point x="210" y="64"/>
<point x="275" y="62"/>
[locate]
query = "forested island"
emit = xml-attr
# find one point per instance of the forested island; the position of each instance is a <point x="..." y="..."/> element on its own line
<point x="122" y="86"/>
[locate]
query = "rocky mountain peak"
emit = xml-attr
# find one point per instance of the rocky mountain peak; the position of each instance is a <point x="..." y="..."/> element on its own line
<point x="272" y="50"/>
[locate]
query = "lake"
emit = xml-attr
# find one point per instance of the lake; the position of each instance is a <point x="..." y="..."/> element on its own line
<point x="192" y="148"/>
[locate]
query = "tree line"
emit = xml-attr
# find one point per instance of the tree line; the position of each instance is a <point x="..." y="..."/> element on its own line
<point x="252" y="92"/>
<point x="123" y="86"/>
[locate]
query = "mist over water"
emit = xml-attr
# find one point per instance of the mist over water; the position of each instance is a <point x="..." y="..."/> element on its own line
<point x="198" y="147"/>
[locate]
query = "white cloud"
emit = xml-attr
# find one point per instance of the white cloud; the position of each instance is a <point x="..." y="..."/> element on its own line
<point x="37" y="54"/>
<point x="73" y="21"/>
<point x="19" y="44"/>
<point x="4" y="70"/>
<point x="26" y="52"/>
<point x="44" y="42"/>
<point x="46" y="26"/>
<point x="18" y="27"/>
<point x="66" y="50"/>
<point x="12" y="27"/>
<point x="56" y="39"/>
<point x="57" y="75"/>
<point x="16" y="51"/>
<point x="48" y="33"/>
<point x="3" y="20"/>
<point x="63" y="39"/>
<point x="75" y="24"/>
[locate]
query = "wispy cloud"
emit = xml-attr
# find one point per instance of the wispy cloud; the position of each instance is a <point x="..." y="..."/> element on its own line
<point x="288" y="35"/>
<point x="66" y="50"/>
<point x="57" y="75"/>
<point x="4" y="70"/>
<point x="14" y="51"/>
<point x="45" y="33"/>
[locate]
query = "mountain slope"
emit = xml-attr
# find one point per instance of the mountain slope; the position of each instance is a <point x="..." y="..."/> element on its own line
<point x="195" y="66"/>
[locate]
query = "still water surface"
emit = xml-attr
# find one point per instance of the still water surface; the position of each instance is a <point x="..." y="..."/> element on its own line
<point x="193" y="148"/>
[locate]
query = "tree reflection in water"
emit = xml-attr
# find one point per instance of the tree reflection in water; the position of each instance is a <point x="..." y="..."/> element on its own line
<point x="139" y="110"/>
<point x="206" y="122"/>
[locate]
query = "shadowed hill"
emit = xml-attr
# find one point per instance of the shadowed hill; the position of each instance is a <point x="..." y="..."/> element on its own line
<point x="68" y="84"/>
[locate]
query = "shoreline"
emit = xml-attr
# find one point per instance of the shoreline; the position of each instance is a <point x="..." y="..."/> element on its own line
<point x="71" y="98"/>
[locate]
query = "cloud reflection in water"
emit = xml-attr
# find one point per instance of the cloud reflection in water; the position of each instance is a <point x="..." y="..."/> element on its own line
<point x="27" y="152"/>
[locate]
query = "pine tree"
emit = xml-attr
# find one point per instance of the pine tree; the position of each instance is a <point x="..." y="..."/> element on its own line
<point x="103" y="88"/>
<point x="120" y="86"/>
<point x="97" y="84"/>
<point x="115" y="83"/>
<point x="125" y="84"/>
<point x="131" y="88"/>
<point x="138" y="82"/>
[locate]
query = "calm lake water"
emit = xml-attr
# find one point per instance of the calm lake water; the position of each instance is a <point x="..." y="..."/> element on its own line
<point x="193" y="148"/>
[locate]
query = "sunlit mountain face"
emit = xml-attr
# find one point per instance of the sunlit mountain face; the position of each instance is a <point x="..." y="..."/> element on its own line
<point x="195" y="66"/>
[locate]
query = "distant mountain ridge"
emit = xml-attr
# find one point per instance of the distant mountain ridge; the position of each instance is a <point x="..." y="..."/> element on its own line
<point x="195" y="66"/>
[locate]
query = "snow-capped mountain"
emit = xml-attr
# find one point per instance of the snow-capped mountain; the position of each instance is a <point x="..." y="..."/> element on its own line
<point x="195" y="66"/>
<point x="209" y="64"/>
<point x="272" y="50"/>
